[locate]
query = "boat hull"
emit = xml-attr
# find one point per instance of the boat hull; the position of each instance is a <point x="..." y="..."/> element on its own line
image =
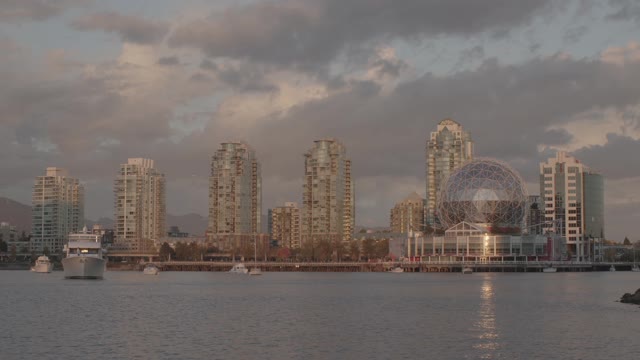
<point x="42" y="268"/>
<point x="83" y="267"/>
<point x="150" y="271"/>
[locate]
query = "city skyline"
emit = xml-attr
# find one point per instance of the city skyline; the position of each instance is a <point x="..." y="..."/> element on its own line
<point x="87" y="86"/>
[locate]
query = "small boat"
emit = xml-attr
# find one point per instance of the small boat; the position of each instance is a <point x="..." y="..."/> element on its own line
<point x="467" y="270"/>
<point x="42" y="265"/>
<point x="635" y="268"/>
<point x="151" y="269"/>
<point x="239" y="269"/>
<point x="612" y="268"/>
<point x="84" y="257"/>
<point x="255" y="271"/>
<point x="397" y="269"/>
<point x="549" y="269"/>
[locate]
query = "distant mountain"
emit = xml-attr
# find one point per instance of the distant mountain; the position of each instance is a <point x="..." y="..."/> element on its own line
<point x="15" y="213"/>
<point x="19" y="215"/>
<point x="194" y="224"/>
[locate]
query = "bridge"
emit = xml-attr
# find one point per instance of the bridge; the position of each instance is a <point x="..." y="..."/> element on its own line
<point x="415" y="266"/>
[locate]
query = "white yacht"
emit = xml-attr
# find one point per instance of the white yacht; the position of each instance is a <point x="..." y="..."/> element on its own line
<point x="255" y="271"/>
<point x="239" y="269"/>
<point x="84" y="257"/>
<point x="42" y="265"/>
<point x="549" y="269"/>
<point x="467" y="270"/>
<point x="635" y="268"/>
<point x="612" y="268"/>
<point x="397" y="269"/>
<point x="151" y="269"/>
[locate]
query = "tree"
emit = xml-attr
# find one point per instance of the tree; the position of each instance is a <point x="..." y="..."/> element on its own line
<point x="166" y="252"/>
<point x="13" y="253"/>
<point x="626" y="241"/>
<point x="382" y="249"/>
<point x="362" y="231"/>
<point x="354" y="250"/>
<point x="368" y="248"/>
<point x="283" y="253"/>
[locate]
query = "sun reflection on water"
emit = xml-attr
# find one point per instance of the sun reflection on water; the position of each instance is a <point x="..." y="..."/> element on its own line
<point x="487" y="345"/>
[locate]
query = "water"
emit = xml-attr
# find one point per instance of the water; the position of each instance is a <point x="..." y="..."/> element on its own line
<point x="318" y="316"/>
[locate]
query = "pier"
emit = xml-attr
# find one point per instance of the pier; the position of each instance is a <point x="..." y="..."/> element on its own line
<point x="415" y="266"/>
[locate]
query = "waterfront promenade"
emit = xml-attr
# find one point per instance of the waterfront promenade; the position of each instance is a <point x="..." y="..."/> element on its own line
<point x="423" y="266"/>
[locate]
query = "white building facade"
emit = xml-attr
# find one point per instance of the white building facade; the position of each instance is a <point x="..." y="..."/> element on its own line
<point x="573" y="197"/>
<point x="328" y="196"/>
<point x="57" y="210"/>
<point x="235" y="195"/>
<point x="140" y="206"/>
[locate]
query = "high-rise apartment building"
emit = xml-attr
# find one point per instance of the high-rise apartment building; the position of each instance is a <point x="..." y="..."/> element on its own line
<point x="447" y="148"/>
<point x="235" y="194"/>
<point x="573" y="197"/>
<point x="408" y="215"/>
<point x="57" y="210"/>
<point x="285" y="225"/>
<point x="328" y="209"/>
<point x="140" y="206"/>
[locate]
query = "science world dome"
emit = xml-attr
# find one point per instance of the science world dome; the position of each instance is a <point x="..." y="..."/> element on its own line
<point x="483" y="191"/>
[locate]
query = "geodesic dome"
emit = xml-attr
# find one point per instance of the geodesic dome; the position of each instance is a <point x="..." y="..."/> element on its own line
<point x="483" y="191"/>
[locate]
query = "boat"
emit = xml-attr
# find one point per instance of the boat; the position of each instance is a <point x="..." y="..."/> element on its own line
<point x="239" y="269"/>
<point x="635" y="268"/>
<point x="397" y="269"/>
<point x="467" y="270"/>
<point x="83" y="257"/>
<point x="612" y="268"/>
<point x="42" y="265"/>
<point x="549" y="269"/>
<point x="151" y="269"/>
<point x="255" y="271"/>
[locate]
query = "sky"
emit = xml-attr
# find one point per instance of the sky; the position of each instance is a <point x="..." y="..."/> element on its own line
<point x="84" y="85"/>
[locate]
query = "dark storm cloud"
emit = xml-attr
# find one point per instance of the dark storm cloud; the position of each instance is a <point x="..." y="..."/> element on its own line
<point x="625" y="10"/>
<point x="616" y="159"/>
<point x="310" y="34"/>
<point x="38" y="10"/>
<point x="508" y="110"/>
<point x="129" y="28"/>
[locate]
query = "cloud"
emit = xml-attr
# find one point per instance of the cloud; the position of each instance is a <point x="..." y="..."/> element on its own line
<point x="621" y="55"/>
<point x="129" y="28"/>
<point x="624" y="10"/>
<point x="169" y="61"/>
<point x="308" y="35"/>
<point x="35" y="10"/>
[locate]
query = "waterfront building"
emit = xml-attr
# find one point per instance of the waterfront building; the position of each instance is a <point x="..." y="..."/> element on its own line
<point x="57" y="210"/>
<point x="284" y="224"/>
<point x="235" y="195"/>
<point x="140" y="206"/>
<point x="573" y="203"/>
<point x="534" y="216"/>
<point x="448" y="148"/>
<point x="408" y="215"/>
<point x="9" y="236"/>
<point x="328" y="211"/>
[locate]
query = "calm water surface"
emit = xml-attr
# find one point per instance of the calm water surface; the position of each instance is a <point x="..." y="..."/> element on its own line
<point x="181" y="315"/>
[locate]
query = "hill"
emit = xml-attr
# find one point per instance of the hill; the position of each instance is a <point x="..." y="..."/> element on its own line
<point x="15" y="213"/>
